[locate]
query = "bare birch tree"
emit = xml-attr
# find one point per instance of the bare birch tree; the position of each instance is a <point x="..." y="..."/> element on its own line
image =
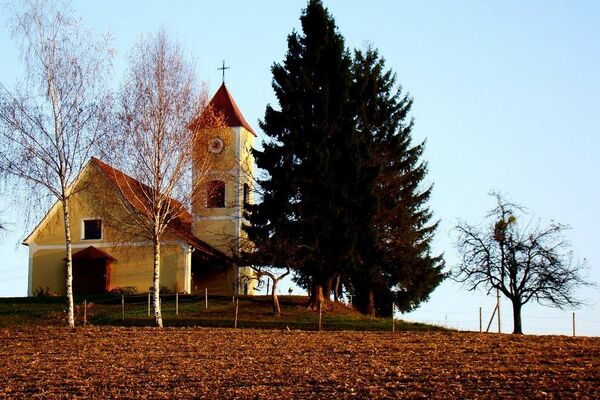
<point x="54" y="119"/>
<point x="159" y="100"/>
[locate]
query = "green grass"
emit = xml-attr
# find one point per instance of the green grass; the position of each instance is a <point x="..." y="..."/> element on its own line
<point x="253" y="312"/>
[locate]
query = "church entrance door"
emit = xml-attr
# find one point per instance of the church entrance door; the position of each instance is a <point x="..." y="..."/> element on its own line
<point x="89" y="276"/>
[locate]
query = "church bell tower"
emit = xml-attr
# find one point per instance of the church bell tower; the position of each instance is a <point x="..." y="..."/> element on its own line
<point x="224" y="175"/>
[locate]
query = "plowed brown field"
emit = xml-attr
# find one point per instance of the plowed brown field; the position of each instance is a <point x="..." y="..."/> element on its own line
<point x="185" y="363"/>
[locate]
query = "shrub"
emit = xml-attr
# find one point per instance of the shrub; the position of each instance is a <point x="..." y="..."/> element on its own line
<point x="40" y="292"/>
<point x="125" y="290"/>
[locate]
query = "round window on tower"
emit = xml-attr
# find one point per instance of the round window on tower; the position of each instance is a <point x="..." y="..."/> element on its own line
<point x="216" y="145"/>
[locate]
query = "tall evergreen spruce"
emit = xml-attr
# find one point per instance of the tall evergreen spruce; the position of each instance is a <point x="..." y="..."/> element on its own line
<point x="397" y="262"/>
<point x="303" y="220"/>
<point x="343" y="194"/>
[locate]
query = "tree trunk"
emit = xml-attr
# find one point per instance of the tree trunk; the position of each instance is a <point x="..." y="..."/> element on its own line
<point x="276" y="308"/>
<point x="371" y="303"/>
<point x="156" y="284"/>
<point x="336" y="288"/>
<point x="518" y="329"/>
<point x="327" y="288"/>
<point x="69" y="265"/>
<point x="316" y="296"/>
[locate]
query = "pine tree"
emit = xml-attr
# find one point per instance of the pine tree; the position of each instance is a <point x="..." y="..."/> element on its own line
<point x="342" y="198"/>
<point x="397" y="265"/>
<point x="310" y="159"/>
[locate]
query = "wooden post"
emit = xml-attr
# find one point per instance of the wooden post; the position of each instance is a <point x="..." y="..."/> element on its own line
<point x="268" y="283"/>
<point x="320" y="316"/>
<point x="122" y="307"/>
<point x="393" y="319"/>
<point x="498" y="306"/>
<point x="573" y="324"/>
<point x="177" y="303"/>
<point x="491" y="319"/>
<point x="206" y="298"/>
<point x="85" y="314"/>
<point x="237" y="304"/>
<point x="148" y="303"/>
<point x="480" y="321"/>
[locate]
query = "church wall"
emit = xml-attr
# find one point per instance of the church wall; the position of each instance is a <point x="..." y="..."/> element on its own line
<point x="217" y="232"/>
<point x="133" y="267"/>
<point x="134" y="260"/>
<point x="217" y="283"/>
<point x="48" y="271"/>
<point x="91" y="201"/>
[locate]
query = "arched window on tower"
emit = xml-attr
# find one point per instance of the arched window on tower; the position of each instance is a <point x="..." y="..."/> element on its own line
<point x="215" y="195"/>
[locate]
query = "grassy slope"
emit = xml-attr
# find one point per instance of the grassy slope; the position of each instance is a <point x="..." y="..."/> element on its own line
<point x="253" y="312"/>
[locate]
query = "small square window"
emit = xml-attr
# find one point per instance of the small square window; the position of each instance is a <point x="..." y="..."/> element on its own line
<point x="92" y="229"/>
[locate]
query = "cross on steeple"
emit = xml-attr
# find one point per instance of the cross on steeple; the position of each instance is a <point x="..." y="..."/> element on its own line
<point x="223" y="68"/>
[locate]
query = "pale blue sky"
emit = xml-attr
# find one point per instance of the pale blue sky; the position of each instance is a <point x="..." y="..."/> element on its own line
<point x="506" y="93"/>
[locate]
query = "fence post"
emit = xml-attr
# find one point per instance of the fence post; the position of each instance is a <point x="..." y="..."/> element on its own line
<point x="148" y="303"/>
<point x="122" y="307"/>
<point x="491" y="319"/>
<point x="498" y="305"/>
<point x="573" y="324"/>
<point x="206" y="298"/>
<point x="237" y="304"/>
<point x="177" y="303"/>
<point x="480" y="321"/>
<point x="85" y="312"/>
<point x="320" y="316"/>
<point x="393" y="319"/>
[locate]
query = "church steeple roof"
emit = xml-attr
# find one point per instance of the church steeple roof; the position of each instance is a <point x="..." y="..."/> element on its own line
<point x="223" y="103"/>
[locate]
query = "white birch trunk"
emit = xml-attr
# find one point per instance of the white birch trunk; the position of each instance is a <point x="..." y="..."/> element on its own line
<point x="69" y="266"/>
<point x="156" y="284"/>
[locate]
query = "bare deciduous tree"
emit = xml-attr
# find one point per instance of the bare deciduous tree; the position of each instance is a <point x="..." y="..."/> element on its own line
<point x="263" y="263"/>
<point x="525" y="263"/>
<point x="159" y="100"/>
<point x="262" y="271"/>
<point x="53" y="121"/>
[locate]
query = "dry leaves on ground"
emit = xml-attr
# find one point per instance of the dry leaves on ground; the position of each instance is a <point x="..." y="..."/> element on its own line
<point x="187" y="363"/>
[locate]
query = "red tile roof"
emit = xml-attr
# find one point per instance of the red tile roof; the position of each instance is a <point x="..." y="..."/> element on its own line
<point x="223" y="104"/>
<point x="134" y="192"/>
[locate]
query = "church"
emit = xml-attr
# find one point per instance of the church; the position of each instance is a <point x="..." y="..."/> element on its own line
<point x="196" y="249"/>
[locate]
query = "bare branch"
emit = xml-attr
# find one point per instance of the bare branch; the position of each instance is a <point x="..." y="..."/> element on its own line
<point x="52" y="121"/>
